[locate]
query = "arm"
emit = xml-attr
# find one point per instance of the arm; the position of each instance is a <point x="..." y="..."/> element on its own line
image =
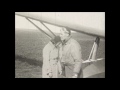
<point x="77" y="56"/>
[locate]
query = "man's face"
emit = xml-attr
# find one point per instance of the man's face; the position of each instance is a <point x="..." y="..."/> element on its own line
<point x="63" y="34"/>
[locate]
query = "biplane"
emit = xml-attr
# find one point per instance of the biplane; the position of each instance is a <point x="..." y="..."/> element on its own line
<point x="93" y="68"/>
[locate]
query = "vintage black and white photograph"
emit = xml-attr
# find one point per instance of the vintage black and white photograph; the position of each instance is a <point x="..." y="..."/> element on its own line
<point x="59" y="44"/>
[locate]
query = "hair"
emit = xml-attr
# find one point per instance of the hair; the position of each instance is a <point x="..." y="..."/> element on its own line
<point x="67" y="30"/>
<point x="56" y="39"/>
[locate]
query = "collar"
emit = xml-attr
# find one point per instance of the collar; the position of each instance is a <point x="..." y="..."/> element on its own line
<point x="54" y="46"/>
<point x="67" y="41"/>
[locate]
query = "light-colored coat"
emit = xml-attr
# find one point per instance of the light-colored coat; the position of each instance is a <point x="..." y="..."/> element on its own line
<point x="71" y="57"/>
<point x="51" y="61"/>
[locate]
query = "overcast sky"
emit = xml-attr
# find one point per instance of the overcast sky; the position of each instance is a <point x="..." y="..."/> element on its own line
<point x="87" y="19"/>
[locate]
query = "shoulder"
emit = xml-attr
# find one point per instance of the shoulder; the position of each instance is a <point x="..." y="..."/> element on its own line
<point x="46" y="47"/>
<point x="74" y="42"/>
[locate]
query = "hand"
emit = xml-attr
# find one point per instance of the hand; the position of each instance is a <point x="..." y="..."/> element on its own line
<point x="60" y="72"/>
<point x="74" y="77"/>
<point x="50" y="75"/>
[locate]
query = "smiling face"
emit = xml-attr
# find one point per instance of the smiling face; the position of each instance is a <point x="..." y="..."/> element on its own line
<point x="64" y="34"/>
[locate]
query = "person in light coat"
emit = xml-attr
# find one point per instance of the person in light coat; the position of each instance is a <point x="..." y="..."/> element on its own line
<point x="51" y="64"/>
<point x="71" y="55"/>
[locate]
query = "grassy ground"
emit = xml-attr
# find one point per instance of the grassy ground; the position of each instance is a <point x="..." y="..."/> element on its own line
<point x="28" y="51"/>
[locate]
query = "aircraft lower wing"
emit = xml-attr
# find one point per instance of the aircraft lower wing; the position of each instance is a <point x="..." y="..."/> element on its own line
<point x="95" y="70"/>
<point x="62" y="23"/>
<point x="88" y="61"/>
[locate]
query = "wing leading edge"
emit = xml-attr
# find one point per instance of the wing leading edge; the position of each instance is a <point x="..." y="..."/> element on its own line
<point x="61" y="23"/>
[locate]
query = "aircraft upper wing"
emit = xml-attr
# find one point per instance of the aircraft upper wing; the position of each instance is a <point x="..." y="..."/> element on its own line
<point x="62" y="23"/>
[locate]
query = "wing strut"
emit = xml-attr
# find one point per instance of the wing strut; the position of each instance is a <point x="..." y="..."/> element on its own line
<point x="96" y="45"/>
<point x="39" y="28"/>
<point x="47" y="27"/>
<point x="94" y="49"/>
<point x="92" y="56"/>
